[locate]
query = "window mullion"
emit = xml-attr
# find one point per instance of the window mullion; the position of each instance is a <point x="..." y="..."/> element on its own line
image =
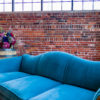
<point x="41" y="5"/>
<point x="72" y="5"/>
<point x="13" y="6"/>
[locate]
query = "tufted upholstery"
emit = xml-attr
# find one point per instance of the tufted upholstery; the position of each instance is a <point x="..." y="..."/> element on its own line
<point x="65" y="68"/>
<point x="53" y="74"/>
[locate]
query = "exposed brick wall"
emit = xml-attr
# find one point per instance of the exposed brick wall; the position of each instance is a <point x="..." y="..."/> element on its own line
<point x="77" y="33"/>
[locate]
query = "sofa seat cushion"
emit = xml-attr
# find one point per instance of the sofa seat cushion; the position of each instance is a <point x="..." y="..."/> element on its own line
<point x="11" y="75"/>
<point x="66" y="92"/>
<point x="27" y="87"/>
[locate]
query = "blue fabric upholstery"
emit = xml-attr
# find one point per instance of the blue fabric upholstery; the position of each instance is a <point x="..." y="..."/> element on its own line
<point x="66" y="92"/>
<point x="65" y="68"/>
<point x="83" y="73"/>
<point x="10" y="64"/>
<point x="52" y="65"/>
<point x="62" y="67"/>
<point x="11" y="75"/>
<point x="70" y="69"/>
<point x="27" y="87"/>
<point x="29" y="63"/>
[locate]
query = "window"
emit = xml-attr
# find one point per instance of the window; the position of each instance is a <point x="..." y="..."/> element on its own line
<point x="56" y="5"/>
<point x="88" y="5"/>
<point x="97" y="5"/>
<point x="5" y="5"/>
<point x="18" y="5"/>
<point x="36" y="5"/>
<point x="48" y="5"/>
<point x="27" y="5"/>
<point x="66" y="4"/>
<point x="77" y="5"/>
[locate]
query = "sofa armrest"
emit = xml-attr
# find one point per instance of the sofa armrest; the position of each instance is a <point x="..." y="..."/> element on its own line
<point x="97" y="95"/>
<point x="10" y="64"/>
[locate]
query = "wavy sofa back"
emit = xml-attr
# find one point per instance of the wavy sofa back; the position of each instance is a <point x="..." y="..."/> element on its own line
<point x="65" y="68"/>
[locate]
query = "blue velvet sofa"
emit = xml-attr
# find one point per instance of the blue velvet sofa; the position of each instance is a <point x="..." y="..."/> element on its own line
<point x="49" y="76"/>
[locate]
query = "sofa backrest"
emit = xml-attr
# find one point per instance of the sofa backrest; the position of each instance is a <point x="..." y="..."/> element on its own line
<point x="82" y="73"/>
<point x="65" y="68"/>
<point x="52" y="65"/>
<point x="29" y="63"/>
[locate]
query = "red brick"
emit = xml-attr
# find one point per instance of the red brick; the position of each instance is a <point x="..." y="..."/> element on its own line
<point x="73" y="32"/>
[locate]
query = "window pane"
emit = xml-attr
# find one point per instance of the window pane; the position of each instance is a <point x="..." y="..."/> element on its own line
<point x="8" y="7"/>
<point x="36" y="0"/>
<point x="8" y="1"/>
<point x="18" y="7"/>
<point x="1" y="1"/>
<point x="27" y="0"/>
<point x="47" y="6"/>
<point x="1" y="7"/>
<point x="47" y="0"/>
<point x="77" y="6"/>
<point x="97" y="5"/>
<point x="27" y="6"/>
<point x="56" y="6"/>
<point x="87" y="5"/>
<point x="36" y="6"/>
<point x="67" y="0"/>
<point x="56" y="0"/>
<point x="66" y="6"/>
<point x="18" y="0"/>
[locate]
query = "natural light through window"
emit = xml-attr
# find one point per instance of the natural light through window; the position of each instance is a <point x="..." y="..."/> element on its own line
<point x="48" y="5"/>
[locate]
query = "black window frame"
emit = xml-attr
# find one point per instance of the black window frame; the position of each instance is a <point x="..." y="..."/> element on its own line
<point x="41" y="2"/>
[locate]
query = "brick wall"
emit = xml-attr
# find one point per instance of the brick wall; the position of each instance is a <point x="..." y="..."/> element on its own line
<point x="77" y="33"/>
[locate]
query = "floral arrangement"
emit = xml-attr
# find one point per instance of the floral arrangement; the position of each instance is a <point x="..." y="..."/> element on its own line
<point x="7" y="39"/>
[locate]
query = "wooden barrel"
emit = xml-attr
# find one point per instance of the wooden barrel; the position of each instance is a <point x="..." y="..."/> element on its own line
<point x="7" y="53"/>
